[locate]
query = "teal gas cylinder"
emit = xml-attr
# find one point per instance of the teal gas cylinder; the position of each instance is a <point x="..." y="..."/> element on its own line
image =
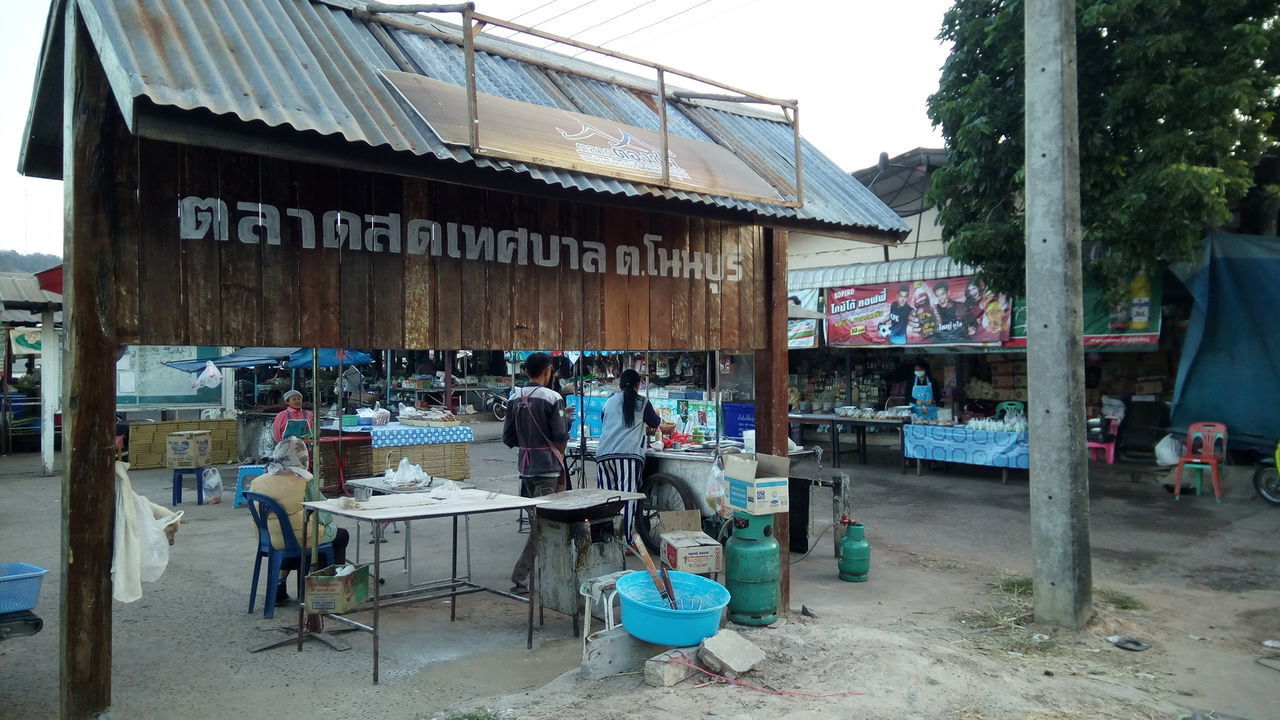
<point x="855" y="553"/>
<point x="753" y="570"/>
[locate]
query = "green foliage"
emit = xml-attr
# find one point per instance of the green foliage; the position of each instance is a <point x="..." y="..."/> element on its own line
<point x="1177" y="104"/>
<point x="14" y="261"/>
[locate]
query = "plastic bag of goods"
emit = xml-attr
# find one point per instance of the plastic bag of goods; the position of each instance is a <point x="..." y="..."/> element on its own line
<point x="212" y="482"/>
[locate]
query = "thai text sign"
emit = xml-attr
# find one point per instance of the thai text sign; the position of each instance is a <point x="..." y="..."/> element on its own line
<point x="950" y="311"/>
<point x="574" y="141"/>
<point x="252" y="223"/>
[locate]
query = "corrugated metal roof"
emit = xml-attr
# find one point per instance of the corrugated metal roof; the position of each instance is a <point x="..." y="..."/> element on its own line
<point x="926" y="268"/>
<point x="311" y="65"/>
<point x="22" y="300"/>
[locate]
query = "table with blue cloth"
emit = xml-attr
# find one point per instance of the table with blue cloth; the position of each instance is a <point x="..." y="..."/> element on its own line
<point x="993" y="448"/>
<point x="398" y="435"/>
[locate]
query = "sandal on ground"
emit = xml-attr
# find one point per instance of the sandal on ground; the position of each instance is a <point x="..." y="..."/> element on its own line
<point x="520" y="588"/>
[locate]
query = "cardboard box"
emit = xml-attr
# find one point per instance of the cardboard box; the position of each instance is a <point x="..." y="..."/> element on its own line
<point x="1020" y="367"/>
<point x="757" y="483"/>
<point x="1002" y="381"/>
<point x="1149" y="386"/>
<point x="692" y="552"/>
<point x="327" y="593"/>
<point x="1019" y="381"/>
<point x="189" y="449"/>
<point x="1001" y="368"/>
<point x="1019" y="394"/>
<point x="680" y="521"/>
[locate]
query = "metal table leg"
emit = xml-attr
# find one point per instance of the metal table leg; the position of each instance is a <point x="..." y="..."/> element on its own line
<point x="453" y="573"/>
<point x="378" y="528"/>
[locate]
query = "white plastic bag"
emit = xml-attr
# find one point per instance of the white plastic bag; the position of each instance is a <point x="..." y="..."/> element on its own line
<point x="718" y="490"/>
<point x="1168" y="451"/>
<point x="210" y="377"/>
<point x="212" y="481"/>
<point x="155" y="545"/>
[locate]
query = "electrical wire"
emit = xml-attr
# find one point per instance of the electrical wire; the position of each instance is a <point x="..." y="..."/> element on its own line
<point x="695" y="23"/>
<point x="530" y="11"/>
<point x="609" y="20"/>
<point x="561" y="14"/>
<point x="646" y="27"/>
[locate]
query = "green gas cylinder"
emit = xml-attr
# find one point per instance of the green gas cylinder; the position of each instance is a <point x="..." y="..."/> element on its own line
<point x="855" y="553"/>
<point x="753" y="570"/>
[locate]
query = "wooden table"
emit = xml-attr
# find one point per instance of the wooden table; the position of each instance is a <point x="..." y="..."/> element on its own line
<point x="393" y="508"/>
<point x="860" y="426"/>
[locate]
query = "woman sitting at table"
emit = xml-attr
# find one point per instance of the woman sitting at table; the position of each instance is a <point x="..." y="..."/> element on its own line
<point x="292" y="411"/>
<point x="286" y="482"/>
<point x="924" y="393"/>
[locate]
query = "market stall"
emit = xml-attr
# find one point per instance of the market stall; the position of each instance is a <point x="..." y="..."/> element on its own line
<point x="1004" y="449"/>
<point x="396" y="210"/>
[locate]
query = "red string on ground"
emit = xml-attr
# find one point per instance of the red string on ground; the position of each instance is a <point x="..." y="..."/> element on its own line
<point x="760" y="689"/>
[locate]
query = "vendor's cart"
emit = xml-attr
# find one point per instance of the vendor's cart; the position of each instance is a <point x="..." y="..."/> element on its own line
<point x="678" y="480"/>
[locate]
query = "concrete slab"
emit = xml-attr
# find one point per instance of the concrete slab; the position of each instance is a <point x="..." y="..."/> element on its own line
<point x="671" y="667"/>
<point x="728" y="653"/>
<point x="610" y="652"/>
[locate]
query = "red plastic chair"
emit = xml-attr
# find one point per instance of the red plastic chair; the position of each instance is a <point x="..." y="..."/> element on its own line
<point x="1109" y="447"/>
<point x="1206" y="447"/>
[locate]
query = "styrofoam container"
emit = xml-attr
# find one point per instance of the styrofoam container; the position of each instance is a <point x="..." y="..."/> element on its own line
<point x="648" y="617"/>
<point x="20" y="586"/>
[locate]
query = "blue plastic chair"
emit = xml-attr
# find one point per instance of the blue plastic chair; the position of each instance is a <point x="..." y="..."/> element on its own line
<point x="247" y="472"/>
<point x="177" y="484"/>
<point x="261" y="507"/>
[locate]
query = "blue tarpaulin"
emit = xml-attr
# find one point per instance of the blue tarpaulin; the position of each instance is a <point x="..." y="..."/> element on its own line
<point x="288" y="357"/>
<point x="1230" y="367"/>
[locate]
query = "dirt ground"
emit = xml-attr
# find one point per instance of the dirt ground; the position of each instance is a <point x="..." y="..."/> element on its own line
<point x="939" y="631"/>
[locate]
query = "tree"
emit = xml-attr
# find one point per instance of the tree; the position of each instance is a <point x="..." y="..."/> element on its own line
<point x="1177" y="106"/>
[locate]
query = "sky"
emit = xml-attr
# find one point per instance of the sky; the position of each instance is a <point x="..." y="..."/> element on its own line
<point x="861" y="70"/>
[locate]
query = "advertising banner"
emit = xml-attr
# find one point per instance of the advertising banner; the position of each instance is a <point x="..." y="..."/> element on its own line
<point x="24" y="341"/>
<point x="1133" y="323"/>
<point x="803" y="334"/>
<point x="948" y="311"/>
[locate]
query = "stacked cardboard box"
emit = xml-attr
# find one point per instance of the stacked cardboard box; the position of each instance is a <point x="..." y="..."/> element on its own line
<point x="147" y="441"/>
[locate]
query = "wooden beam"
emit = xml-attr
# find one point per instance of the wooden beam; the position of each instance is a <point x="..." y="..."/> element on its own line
<point x="94" y="141"/>
<point x="771" y="381"/>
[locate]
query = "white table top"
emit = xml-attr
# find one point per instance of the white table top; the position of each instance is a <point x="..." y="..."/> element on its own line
<point x="412" y="506"/>
<point x="379" y="484"/>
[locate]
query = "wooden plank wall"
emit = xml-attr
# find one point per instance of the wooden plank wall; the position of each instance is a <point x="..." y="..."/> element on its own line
<point x="230" y="292"/>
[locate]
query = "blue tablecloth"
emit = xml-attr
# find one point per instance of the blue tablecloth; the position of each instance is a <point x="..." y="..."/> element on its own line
<point x="397" y="435"/>
<point x="994" y="448"/>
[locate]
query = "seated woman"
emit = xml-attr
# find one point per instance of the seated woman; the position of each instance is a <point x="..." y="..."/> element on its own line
<point x="292" y="411"/>
<point x="286" y="482"/>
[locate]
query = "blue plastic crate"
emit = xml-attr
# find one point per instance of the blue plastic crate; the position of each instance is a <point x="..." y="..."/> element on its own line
<point x="20" y="586"/>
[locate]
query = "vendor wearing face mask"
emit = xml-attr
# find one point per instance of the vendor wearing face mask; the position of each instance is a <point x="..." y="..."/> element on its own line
<point x="924" y="393"/>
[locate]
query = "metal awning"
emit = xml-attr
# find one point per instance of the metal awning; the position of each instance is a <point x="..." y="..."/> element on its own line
<point x="929" y="268"/>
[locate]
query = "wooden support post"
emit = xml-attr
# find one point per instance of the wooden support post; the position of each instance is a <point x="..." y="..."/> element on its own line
<point x="771" y="383"/>
<point x="50" y="387"/>
<point x="94" y="140"/>
<point x="449" y="356"/>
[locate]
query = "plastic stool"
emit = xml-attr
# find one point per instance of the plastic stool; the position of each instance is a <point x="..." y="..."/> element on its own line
<point x="177" y="484"/>
<point x="246" y="472"/>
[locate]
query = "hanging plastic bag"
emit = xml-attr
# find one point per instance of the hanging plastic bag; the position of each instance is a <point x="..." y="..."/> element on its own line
<point x="155" y="546"/>
<point x="1168" y="451"/>
<point x="718" y="491"/>
<point x="210" y="377"/>
<point x="212" y="486"/>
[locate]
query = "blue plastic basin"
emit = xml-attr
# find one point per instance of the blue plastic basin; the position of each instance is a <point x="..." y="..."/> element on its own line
<point x="648" y="617"/>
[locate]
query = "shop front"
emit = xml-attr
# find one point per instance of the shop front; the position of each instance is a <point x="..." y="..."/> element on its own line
<point x="887" y="321"/>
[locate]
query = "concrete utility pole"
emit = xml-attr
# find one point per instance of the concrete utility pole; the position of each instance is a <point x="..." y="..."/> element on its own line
<point x="50" y="387"/>
<point x="1061" y="573"/>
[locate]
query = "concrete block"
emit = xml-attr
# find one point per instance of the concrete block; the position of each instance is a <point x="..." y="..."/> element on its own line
<point x="613" y="651"/>
<point x="659" y="671"/>
<point x="728" y="653"/>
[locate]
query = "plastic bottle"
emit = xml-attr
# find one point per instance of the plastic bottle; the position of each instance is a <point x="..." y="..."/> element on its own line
<point x="1140" y="302"/>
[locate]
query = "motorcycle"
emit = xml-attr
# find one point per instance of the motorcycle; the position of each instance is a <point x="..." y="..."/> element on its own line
<point x="496" y="403"/>
<point x="1266" y="478"/>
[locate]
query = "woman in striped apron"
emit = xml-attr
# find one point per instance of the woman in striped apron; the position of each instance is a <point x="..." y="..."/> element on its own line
<point x="620" y="456"/>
